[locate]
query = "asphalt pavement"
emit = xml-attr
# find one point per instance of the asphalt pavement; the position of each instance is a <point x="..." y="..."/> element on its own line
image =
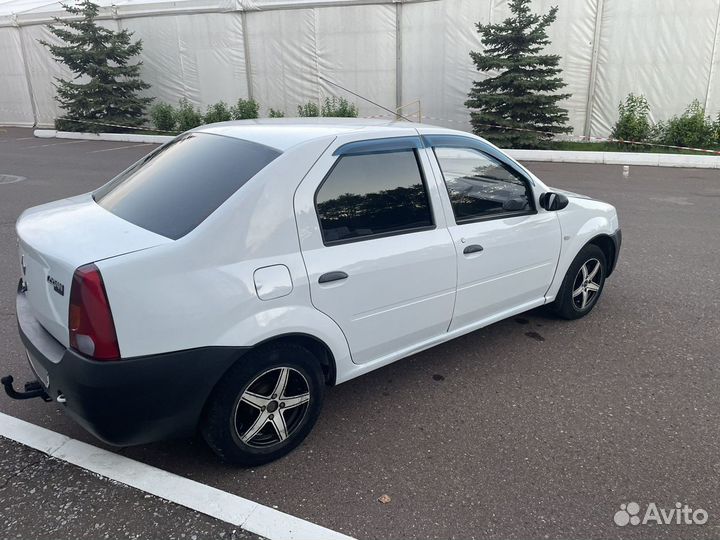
<point x="530" y="428"/>
<point x="42" y="497"/>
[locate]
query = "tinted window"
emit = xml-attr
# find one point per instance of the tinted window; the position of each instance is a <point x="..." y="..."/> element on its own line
<point x="373" y="194"/>
<point x="171" y="191"/>
<point x="479" y="186"/>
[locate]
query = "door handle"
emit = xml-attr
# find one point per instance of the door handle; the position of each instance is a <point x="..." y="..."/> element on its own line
<point x="332" y="276"/>
<point x="475" y="248"/>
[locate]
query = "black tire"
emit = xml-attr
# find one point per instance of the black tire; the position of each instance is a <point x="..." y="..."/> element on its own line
<point x="571" y="307"/>
<point x="228" y="416"/>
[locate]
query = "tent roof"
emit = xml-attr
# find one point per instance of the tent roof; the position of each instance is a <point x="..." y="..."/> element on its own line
<point x="49" y="7"/>
<point x="40" y="11"/>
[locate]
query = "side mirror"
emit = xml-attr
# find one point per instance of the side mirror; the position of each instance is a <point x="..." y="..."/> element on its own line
<point x="552" y="202"/>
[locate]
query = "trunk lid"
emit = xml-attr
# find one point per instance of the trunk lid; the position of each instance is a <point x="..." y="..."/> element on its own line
<point x="55" y="239"/>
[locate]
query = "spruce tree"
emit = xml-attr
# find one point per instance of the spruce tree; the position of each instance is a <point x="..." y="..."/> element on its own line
<point x="105" y="86"/>
<point x="522" y="93"/>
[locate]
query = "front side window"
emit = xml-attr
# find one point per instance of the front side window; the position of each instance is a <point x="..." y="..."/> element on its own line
<point x="373" y="194"/>
<point x="481" y="187"/>
<point x="171" y="191"/>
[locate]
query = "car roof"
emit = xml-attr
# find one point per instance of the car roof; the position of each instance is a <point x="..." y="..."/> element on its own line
<point x="283" y="133"/>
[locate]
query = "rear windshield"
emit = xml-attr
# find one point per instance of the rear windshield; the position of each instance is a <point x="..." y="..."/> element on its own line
<point x="171" y="191"/>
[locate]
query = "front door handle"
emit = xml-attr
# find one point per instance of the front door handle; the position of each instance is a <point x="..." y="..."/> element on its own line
<point x="332" y="276"/>
<point x="475" y="248"/>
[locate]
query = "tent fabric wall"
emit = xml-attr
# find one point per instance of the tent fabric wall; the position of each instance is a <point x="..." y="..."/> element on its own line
<point x="393" y="52"/>
<point x="290" y="50"/>
<point x="42" y="70"/>
<point x="283" y="57"/>
<point x="666" y="56"/>
<point x="437" y="38"/>
<point x="15" y="104"/>
<point x="356" y="48"/>
<point x="197" y="57"/>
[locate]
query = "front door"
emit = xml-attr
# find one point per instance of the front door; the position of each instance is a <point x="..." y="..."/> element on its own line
<point x="507" y="250"/>
<point x="380" y="260"/>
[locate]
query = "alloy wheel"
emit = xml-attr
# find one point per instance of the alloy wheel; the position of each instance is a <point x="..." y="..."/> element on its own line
<point x="272" y="407"/>
<point x="587" y="284"/>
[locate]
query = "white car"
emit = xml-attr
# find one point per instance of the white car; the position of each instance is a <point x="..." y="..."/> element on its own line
<point x="226" y="279"/>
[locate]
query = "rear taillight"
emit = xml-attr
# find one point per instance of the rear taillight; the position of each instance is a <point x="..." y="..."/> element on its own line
<point x="92" y="330"/>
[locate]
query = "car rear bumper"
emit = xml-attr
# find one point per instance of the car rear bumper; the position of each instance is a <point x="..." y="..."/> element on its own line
<point x="129" y="401"/>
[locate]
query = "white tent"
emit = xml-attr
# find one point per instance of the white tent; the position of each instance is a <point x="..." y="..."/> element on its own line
<point x="393" y="52"/>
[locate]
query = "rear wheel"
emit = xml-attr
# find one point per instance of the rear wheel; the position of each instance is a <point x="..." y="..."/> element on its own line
<point x="265" y="405"/>
<point x="582" y="285"/>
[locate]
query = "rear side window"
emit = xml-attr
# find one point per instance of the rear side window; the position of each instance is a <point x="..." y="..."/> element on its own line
<point x="481" y="187"/>
<point x="373" y="195"/>
<point x="171" y="191"/>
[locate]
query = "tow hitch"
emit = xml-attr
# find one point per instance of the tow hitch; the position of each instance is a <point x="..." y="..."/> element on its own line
<point x="33" y="389"/>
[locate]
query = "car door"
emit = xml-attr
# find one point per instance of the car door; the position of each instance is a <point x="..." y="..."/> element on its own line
<point x="380" y="260"/>
<point x="507" y="247"/>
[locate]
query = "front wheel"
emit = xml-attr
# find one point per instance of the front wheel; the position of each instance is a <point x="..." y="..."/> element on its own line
<point x="265" y="405"/>
<point x="582" y="285"/>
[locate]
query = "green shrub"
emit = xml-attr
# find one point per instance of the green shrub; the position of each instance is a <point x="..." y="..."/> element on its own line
<point x="339" y="107"/>
<point x="188" y="117"/>
<point x="691" y="129"/>
<point x="310" y="109"/>
<point x="272" y="113"/>
<point x="163" y="116"/>
<point x="245" y="109"/>
<point x="634" y="120"/>
<point x="218" y="112"/>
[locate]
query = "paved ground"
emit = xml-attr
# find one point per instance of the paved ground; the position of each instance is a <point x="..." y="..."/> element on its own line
<point x="42" y="497"/>
<point x="530" y="428"/>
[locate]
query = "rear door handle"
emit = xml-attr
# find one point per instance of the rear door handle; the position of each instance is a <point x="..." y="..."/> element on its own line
<point x="475" y="248"/>
<point x="332" y="276"/>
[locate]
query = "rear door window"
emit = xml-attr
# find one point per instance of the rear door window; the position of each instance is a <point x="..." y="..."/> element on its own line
<point x="173" y="190"/>
<point x="371" y="195"/>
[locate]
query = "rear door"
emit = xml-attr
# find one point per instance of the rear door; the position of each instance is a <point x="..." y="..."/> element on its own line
<point x="507" y="248"/>
<point x="379" y="257"/>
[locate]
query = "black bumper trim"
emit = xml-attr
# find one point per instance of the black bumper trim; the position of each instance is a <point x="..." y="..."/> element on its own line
<point x="134" y="400"/>
<point x="617" y="241"/>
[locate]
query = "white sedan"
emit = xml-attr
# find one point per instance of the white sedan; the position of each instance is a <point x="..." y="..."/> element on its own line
<point x="226" y="279"/>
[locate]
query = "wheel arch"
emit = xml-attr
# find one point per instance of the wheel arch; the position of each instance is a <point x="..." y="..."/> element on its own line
<point x="315" y="345"/>
<point x="607" y="245"/>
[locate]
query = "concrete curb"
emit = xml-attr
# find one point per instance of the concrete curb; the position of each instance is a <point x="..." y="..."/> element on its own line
<point x="554" y="156"/>
<point x="618" y="158"/>
<point x="114" y="137"/>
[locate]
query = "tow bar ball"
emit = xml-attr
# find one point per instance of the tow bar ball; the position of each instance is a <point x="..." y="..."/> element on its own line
<point x="33" y="389"/>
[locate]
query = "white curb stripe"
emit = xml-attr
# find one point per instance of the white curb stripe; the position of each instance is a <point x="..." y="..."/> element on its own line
<point x="114" y="137"/>
<point x="117" y="148"/>
<point x="249" y="515"/>
<point x="618" y="158"/>
<point x="52" y="144"/>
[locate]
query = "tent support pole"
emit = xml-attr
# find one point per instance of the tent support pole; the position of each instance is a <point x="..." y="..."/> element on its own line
<point x="712" y="60"/>
<point x="398" y="56"/>
<point x="23" y="56"/>
<point x="599" y="11"/>
<point x="246" y="52"/>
